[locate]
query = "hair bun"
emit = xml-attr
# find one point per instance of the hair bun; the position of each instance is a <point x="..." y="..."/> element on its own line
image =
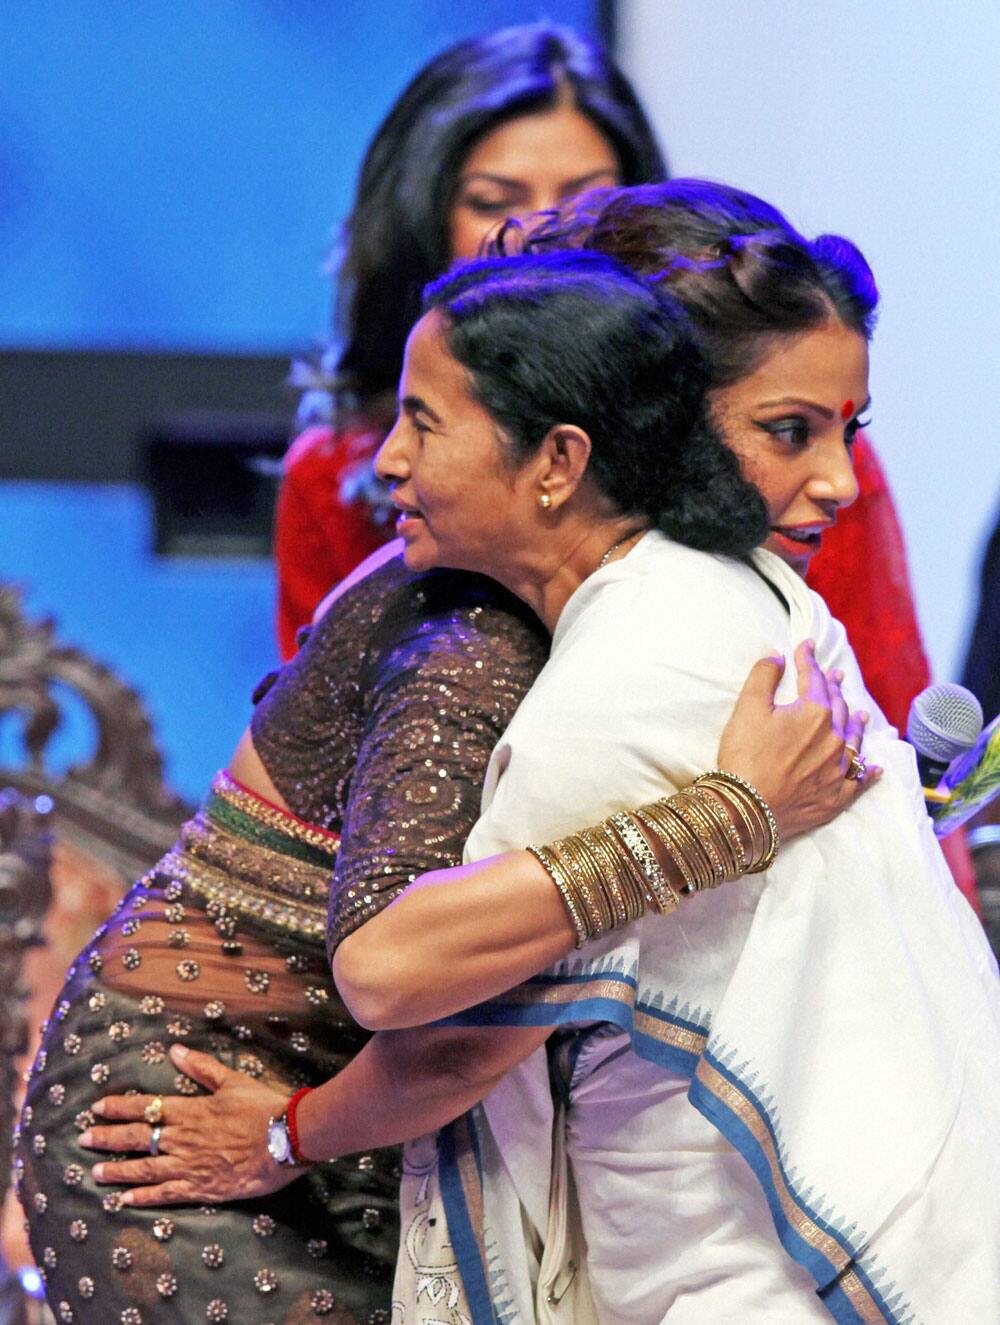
<point x="733" y="252"/>
<point x="742" y="272"/>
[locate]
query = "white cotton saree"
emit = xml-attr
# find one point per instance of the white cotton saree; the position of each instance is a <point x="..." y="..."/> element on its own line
<point x="835" y="1023"/>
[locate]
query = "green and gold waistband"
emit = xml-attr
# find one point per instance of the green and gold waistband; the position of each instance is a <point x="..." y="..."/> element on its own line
<point x="252" y="857"/>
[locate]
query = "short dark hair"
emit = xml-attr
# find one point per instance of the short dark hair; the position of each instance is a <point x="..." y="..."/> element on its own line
<point x="743" y="273"/>
<point x="576" y="338"/>
<point x="397" y="233"/>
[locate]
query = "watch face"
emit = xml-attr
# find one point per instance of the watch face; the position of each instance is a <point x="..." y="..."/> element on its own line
<point x="278" y="1141"/>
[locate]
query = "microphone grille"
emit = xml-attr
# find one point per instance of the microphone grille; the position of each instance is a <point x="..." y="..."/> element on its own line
<point x="945" y="720"/>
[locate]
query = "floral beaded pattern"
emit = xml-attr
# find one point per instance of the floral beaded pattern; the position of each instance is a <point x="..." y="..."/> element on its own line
<point x="102" y="1262"/>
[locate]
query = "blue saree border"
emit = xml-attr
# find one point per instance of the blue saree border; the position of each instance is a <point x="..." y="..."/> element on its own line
<point x="741" y="1137"/>
<point x="457" y="1136"/>
<point x="845" y="1287"/>
<point x="840" y="1297"/>
<point x="673" y="1035"/>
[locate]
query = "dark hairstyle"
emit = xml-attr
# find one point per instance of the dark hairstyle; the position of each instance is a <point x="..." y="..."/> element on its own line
<point x="397" y="233"/>
<point x="576" y="338"/>
<point x="741" y="271"/>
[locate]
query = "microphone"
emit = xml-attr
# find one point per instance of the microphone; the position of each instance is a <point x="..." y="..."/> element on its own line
<point x="944" y="722"/>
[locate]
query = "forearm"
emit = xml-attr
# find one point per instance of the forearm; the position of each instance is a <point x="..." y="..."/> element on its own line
<point x="452" y="939"/>
<point x="406" y="1083"/>
<point x="458" y="937"/>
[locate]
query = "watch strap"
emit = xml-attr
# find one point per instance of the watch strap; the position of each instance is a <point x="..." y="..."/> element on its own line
<point x="291" y="1122"/>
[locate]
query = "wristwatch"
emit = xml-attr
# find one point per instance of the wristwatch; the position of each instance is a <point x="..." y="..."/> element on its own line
<point x="279" y="1142"/>
<point x="282" y="1135"/>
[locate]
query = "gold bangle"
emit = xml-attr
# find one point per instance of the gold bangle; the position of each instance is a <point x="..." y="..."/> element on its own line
<point x="756" y="827"/>
<point x="580" y="888"/>
<point x="633" y="880"/>
<point x="678" y="840"/>
<point x="771" y="838"/>
<point x="698" y="855"/>
<point x="672" y="836"/>
<point x="607" y="875"/>
<point x="658" y="891"/>
<point x="601" y="901"/>
<point x="583" y="870"/>
<point x="600" y="884"/>
<point x="756" y="835"/>
<point x="703" y="830"/>
<point x="716" y="808"/>
<point x="715" y="821"/>
<point x="763" y="809"/>
<point x="611" y="876"/>
<point x="608" y="883"/>
<point x="628" y="876"/>
<point x="565" y="890"/>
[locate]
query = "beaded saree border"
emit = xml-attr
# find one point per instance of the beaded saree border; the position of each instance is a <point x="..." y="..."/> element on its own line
<point x="244" y="853"/>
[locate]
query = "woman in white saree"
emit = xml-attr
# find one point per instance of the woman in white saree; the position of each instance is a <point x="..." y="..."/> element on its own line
<point x="835" y="1023"/>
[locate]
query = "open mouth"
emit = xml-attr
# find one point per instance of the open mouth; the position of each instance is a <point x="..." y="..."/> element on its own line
<point x="807" y="539"/>
<point x="407" y="519"/>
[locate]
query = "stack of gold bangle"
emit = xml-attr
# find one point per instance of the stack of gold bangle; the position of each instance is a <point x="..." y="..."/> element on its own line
<point x="610" y="875"/>
<point x="753" y="812"/>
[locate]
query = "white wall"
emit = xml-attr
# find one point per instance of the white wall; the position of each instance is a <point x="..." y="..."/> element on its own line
<point x="879" y="119"/>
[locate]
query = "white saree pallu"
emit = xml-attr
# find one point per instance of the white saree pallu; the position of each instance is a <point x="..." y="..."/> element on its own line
<point x="780" y="1104"/>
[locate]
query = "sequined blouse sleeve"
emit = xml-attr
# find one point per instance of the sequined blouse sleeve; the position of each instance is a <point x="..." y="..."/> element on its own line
<point x="443" y="678"/>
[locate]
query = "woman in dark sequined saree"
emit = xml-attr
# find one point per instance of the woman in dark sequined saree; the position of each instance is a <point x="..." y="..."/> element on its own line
<point x="379" y="730"/>
<point x="364" y="760"/>
<point x="862" y="915"/>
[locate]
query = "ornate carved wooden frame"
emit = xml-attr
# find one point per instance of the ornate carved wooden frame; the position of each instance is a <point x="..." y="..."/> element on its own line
<point x="114" y="805"/>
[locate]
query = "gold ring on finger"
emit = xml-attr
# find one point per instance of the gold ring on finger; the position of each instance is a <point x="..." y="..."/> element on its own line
<point x="153" y="1112"/>
<point x="856" y="765"/>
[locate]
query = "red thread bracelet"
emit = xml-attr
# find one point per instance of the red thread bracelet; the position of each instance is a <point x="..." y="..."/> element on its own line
<point x="293" y="1130"/>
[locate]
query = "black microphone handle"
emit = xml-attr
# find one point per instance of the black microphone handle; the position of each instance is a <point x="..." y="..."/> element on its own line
<point x="931" y="770"/>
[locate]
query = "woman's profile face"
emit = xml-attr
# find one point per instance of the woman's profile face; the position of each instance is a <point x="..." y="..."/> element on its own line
<point x="462" y="503"/>
<point x="527" y="164"/>
<point x="792" y="422"/>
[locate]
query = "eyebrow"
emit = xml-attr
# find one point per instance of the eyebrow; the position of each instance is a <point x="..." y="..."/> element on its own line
<point x="810" y="404"/>
<point x="415" y="405"/>
<point x="505" y="181"/>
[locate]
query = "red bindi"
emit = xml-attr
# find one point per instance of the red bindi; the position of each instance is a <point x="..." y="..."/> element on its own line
<point x="847" y="410"/>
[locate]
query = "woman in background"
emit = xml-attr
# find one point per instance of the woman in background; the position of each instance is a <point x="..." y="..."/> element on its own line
<point x="504" y="124"/>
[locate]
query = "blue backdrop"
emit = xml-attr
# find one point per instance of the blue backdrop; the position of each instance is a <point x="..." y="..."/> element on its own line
<point x="171" y="174"/>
